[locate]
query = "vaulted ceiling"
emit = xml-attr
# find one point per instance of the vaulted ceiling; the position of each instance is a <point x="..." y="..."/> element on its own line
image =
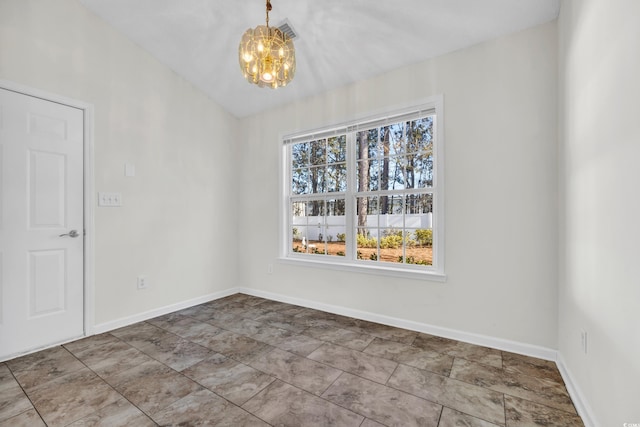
<point x="339" y="41"/>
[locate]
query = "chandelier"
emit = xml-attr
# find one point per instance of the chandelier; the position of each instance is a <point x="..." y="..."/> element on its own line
<point x="267" y="57"/>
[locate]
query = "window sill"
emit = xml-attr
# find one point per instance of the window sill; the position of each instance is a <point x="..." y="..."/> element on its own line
<point x="378" y="270"/>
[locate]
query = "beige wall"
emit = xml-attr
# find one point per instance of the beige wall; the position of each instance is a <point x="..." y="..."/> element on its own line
<point x="177" y="225"/>
<point x="599" y="284"/>
<point x="501" y="197"/>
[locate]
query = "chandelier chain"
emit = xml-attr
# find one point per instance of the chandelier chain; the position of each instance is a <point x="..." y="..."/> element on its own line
<point x="268" y="10"/>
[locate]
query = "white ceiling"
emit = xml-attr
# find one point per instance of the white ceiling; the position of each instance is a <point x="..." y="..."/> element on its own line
<point x="339" y="41"/>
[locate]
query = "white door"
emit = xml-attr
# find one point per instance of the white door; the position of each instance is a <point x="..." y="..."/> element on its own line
<point x="41" y="223"/>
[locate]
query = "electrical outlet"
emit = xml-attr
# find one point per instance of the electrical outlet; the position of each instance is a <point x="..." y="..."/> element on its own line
<point x="143" y="282"/>
<point x="583" y="341"/>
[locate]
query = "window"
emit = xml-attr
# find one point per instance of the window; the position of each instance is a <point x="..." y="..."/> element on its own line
<point x="367" y="194"/>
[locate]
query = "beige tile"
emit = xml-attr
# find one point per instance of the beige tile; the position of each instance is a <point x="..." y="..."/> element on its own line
<point x="301" y="345"/>
<point x="176" y="352"/>
<point x="205" y="408"/>
<point x="13" y="401"/>
<point x="525" y="365"/>
<point x="284" y="405"/>
<point x="282" y="321"/>
<point x="524" y="413"/>
<point x="452" y="418"/>
<point x="381" y="331"/>
<point x="539" y="390"/>
<point x="313" y="318"/>
<point x="43" y="366"/>
<point x="197" y="331"/>
<point x="112" y="358"/>
<point x="196" y="309"/>
<point x="272" y="335"/>
<point x="28" y="418"/>
<point x="71" y="397"/>
<point x="243" y="326"/>
<point x="119" y="413"/>
<point x="475" y="353"/>
<point x="141" y="334"/>
<point x="274" y="305"/>
<point x="382" y="404"/>
<point x="473" y="400"/>
<point x="252" y="313"/>
<point x="153" y="386"/>
<point x="356" y="362"/>
<point x="238" y="347"/>
<point x="232" y="380"/>
<point x="239" y="298"/>
<point x="403" y="353"/>
<point x="294" y="310"/>
<point x="169" y="320"/>
<point x="306" y="374"/>
<point x="344" y="337"/>
<point x="370" y="423"/>
<point x="80" y="347"/>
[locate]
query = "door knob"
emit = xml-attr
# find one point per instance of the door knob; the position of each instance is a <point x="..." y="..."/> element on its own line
<point x="72" y="233"/>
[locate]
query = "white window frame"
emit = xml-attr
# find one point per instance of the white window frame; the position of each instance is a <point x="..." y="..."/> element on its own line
<point x="435" y="272"/>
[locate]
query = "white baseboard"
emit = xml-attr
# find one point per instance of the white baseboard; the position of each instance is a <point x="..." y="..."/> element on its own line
<point x="578" y="398"/>
<point x="483" y="340"/>
<point x="140" y="317"/>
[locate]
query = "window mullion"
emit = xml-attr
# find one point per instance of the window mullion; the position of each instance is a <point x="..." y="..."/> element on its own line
<point x="350" y="213"/>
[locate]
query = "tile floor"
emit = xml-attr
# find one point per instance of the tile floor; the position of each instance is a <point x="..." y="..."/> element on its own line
<point x="248" y="361"/>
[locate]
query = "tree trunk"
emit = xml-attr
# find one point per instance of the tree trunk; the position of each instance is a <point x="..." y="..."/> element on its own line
<point x="363" y="180"/>
<point x="384" y="177"/>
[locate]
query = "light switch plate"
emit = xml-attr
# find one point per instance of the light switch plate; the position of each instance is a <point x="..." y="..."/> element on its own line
<point x="110" y="199"/>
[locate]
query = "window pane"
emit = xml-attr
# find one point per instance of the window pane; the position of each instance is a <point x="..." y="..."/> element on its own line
<point x="367" y="144"/>
<point x="315" y="232"/>
<point x="334" y="233"/>
<point x="300" y="155"/>
<point x="420" y="136"/>
<point x="337" y="149"/>
<point x="419" y="247"/>
<point x="390" y="205"/>
<point x="300" y="181"/>
<point x="367" y="244"/>
<point x="395" y="167"/>
<point x="307" y="221"/>
<point x="337" y="177"/>
<point x="420" y="205"/>
<point x="416" y="176"/>
<point x="315" y="209"/>
<point x="318" y="152"/>
<point x="317" y="180"/>
<point x="366" y="213"/>
<point x="392" y="140"/>
<point x="335" y="207"/>
<point x="299" y="236"/>
<point x="368" y="173"/>
<point x="391" y="243"/>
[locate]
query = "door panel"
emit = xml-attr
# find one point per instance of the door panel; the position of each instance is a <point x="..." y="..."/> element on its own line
<point x="46" y="190"/>
<point x="41" y="198"/>
<point x="46" y="282"/>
